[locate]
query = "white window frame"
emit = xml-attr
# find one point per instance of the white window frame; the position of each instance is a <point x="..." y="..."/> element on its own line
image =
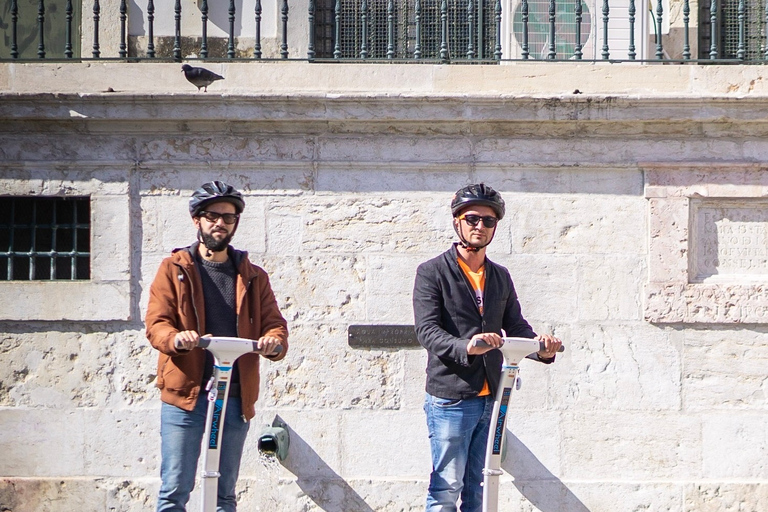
<point x="107" y="295"/>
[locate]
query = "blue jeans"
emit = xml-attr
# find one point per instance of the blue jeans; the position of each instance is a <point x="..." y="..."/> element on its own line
<point x="458" y="433"/>
<point x="181" y="434"/>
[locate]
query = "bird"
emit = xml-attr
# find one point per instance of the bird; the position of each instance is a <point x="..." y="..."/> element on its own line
<point x="200" y="77"/>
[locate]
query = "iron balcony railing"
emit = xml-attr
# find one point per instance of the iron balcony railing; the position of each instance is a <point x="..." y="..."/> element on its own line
<point x="468" y="31"/>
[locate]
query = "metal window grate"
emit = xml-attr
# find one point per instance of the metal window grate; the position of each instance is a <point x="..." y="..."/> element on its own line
<point x="727" y="29"/>
<point x="376" y="15"/>
<point x="45" y="238"/>
<point x="754" y="15"/>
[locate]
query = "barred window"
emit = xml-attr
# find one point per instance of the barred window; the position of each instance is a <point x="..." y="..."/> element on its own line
<point x="727" y="29"/>
<point x="45" y="238"/>
<point x="403" y="42"/>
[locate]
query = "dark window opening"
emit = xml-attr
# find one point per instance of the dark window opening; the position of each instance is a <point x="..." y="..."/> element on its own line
<point x="45" y="238"/>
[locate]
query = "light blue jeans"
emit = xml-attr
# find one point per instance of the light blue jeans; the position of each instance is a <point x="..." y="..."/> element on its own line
<point x="458" y="433"/>
<point x="181" y="434"/>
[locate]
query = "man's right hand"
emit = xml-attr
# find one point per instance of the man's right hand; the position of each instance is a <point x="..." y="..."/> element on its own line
<point x="186" y="340"/>
<point x="491" y="339"/>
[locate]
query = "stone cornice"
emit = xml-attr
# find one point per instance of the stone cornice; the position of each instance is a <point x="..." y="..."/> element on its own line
<point x="447" y="114"/>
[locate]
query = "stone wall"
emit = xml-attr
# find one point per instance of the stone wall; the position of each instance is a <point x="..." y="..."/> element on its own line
<point x="654" y="405"/>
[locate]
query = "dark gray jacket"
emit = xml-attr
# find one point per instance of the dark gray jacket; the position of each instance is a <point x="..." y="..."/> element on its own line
<point x="447" y="316"/>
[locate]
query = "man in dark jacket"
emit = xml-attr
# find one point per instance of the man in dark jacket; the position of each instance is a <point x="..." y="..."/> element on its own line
<point x="208" y="287"/>
<point x="459" y="298"/>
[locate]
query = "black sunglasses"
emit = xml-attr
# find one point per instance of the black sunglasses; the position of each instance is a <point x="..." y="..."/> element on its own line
<point x="472" y="220"/>
<point x="229" y="218"/>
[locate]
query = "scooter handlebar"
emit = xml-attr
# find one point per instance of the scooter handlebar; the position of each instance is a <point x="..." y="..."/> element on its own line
<point x="542" y="346"/>
<point x="245" y="345"/>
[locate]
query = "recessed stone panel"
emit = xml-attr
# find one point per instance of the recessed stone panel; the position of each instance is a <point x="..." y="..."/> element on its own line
<point x="708" y="243"/>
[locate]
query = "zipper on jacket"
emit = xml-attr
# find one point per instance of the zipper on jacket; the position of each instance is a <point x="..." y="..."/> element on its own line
<point x="183" y="273"/>
<point x="250" y="318"/>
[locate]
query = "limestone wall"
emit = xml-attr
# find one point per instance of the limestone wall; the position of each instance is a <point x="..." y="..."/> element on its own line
<point x="659" y="402"/>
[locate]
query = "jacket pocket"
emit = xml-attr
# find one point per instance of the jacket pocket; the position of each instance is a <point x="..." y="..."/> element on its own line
<point x="173" y="379"/>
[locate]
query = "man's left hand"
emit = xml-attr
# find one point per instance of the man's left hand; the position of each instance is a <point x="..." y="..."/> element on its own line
<point x="551" y="346"/>
<point x="267" y="345"/>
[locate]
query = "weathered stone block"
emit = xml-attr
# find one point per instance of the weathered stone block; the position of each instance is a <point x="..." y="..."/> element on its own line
<point x="637" y="446"/>
<point x="121" y="443"/>
<point x="58" y="370"/>
<point x="378" y="444"/>
<point x="52" y="495"/>
<point x="545" y="284"/>
<point x="725" y="497"/>
<point x="724" y="370"/>
<point x="34" y="446"/>
<point x="395" y="148"/>
<point x="609" y="287"/>
<point x="312" y="374"/>
<point x="598" y="181"/>
<point x="577" y="224"/>
<point x="534" y="440"/>
<point x="318" y="288"/>
<point x="414" y="379"/>
<point x="193" y="147"/>
<point x="578" y="495"/>
<point x="352" y="224"/>
<point x="383" y="176"/>
<point x="626" y="368"/>
<point x="735" y="445"/>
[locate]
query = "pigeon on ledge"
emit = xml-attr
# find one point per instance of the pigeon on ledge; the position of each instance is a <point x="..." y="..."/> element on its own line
<point x="200" y="77"/>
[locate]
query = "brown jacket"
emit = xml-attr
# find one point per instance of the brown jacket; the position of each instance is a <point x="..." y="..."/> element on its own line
<point x="176" y="304"/>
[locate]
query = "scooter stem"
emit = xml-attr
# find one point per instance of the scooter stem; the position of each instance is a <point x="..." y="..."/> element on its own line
<point x="513" y="350"/>
<point x="225" y="352"/>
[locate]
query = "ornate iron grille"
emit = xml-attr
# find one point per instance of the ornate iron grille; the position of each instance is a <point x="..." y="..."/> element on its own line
<point x="44" y="238"/>
<point x="727" y="30"/>
<point x="376" y="30"/>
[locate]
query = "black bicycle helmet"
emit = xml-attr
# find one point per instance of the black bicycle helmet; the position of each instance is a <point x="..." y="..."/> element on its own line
<point x="477" y="195"/>
<point x="214" y="191"/>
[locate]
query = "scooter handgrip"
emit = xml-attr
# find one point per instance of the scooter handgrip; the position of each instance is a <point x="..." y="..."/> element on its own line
<point x="543" y="347"/>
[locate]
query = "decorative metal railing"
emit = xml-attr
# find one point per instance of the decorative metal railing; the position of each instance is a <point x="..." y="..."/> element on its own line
<point x="390" y="30"/>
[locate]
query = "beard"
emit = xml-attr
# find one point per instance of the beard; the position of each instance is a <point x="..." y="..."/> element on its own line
<point x="212" y="244"/>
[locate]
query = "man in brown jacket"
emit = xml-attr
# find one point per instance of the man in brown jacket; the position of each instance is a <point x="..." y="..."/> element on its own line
<point x="208" y="287"/>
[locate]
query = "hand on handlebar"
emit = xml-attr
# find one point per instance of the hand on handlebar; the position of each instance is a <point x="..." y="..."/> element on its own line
<point x="186" y="340"/>
<point x="490" y="340"/>
<point x="551" y="346"/>
<point x="268" y="345"/>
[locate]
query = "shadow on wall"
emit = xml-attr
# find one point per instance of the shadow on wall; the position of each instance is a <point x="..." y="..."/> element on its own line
<point x="318" y="481"/>
<point x="534" y="481"/>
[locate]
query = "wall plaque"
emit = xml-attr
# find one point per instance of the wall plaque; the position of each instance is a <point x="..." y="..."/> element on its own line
<point x="729" y="240"/>
<point x="382" y="336"/>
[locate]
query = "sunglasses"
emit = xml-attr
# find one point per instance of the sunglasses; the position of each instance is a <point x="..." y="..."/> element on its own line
<point x="472" y="220"/>
<point x="212" y="217"/>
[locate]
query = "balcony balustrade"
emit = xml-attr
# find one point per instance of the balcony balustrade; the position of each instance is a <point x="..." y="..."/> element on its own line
<point x="444" y="31"/>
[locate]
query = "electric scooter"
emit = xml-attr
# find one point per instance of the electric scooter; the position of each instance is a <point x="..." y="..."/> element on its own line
<point x="225" y="351"/>
<point x="513" y="351"/>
